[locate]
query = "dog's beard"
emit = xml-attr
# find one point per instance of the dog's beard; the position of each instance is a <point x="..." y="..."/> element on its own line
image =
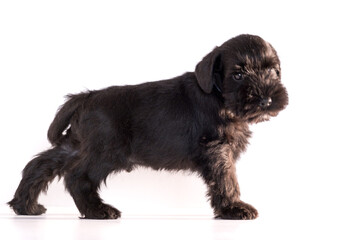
<point x="250" y="113"/>
<point x="254" y="114"/>
<point x="261" y="117"/>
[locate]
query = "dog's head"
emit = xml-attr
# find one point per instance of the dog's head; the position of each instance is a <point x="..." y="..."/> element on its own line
<point x="246" y="72"/>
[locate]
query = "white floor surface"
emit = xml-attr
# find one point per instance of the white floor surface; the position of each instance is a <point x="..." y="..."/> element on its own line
<point x="65" y="224"/>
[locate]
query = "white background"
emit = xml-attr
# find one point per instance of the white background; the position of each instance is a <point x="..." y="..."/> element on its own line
<point x="301" y="169"/>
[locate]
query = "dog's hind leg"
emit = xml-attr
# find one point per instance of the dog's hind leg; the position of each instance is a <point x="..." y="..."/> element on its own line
<point x="36" y="176"/>
<point x="83" y="184"/>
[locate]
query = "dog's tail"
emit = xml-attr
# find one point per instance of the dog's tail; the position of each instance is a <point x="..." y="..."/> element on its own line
<point x="63" y="116"/>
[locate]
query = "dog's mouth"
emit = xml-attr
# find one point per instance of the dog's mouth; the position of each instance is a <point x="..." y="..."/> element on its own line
<point x="255" y="112"/>
<point x="260" y="117"/>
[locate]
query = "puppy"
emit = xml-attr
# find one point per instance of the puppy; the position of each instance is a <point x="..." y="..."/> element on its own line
<point x="198" y="121"/>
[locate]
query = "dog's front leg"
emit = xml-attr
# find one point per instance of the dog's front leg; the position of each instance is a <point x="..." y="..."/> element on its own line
<point x="223" y="189"/>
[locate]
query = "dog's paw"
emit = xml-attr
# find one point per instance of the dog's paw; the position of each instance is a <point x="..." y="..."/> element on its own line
<point x="238" y="211"/>
<point x="103" y="212"/>
<point x="37" y="209"/>
<point x="21" y="208"/>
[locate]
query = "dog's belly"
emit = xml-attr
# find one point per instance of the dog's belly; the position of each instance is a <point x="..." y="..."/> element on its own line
<point x="160" y="163"/>
<point x="170" y="153"/>
<point x="167" y="145"/>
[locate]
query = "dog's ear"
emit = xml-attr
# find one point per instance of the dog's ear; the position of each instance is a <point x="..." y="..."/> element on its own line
<point x="206" y="69"/>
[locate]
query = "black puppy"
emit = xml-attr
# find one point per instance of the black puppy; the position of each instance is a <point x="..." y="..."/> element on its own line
<point x="197" y="121"/>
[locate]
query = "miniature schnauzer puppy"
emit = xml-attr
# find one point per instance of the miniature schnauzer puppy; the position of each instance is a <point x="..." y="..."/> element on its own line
<point x="198" y="121"/>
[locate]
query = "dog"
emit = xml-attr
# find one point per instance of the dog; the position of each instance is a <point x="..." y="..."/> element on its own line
<point x="198" y="121"/>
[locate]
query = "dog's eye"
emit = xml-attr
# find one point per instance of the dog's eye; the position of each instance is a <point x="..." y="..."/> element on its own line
<point x="277" y="72"/>
<point x="237" y="76"/>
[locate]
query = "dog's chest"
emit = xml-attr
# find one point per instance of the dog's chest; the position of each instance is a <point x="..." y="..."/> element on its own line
<point x="236" y="136"/>
<point x="229" y="140"/>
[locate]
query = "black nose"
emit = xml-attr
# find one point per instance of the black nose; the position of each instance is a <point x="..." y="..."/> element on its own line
<point x="265" y="102"/>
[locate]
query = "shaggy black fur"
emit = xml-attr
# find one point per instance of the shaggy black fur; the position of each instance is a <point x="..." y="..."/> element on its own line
<point x="197" y="121"/>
